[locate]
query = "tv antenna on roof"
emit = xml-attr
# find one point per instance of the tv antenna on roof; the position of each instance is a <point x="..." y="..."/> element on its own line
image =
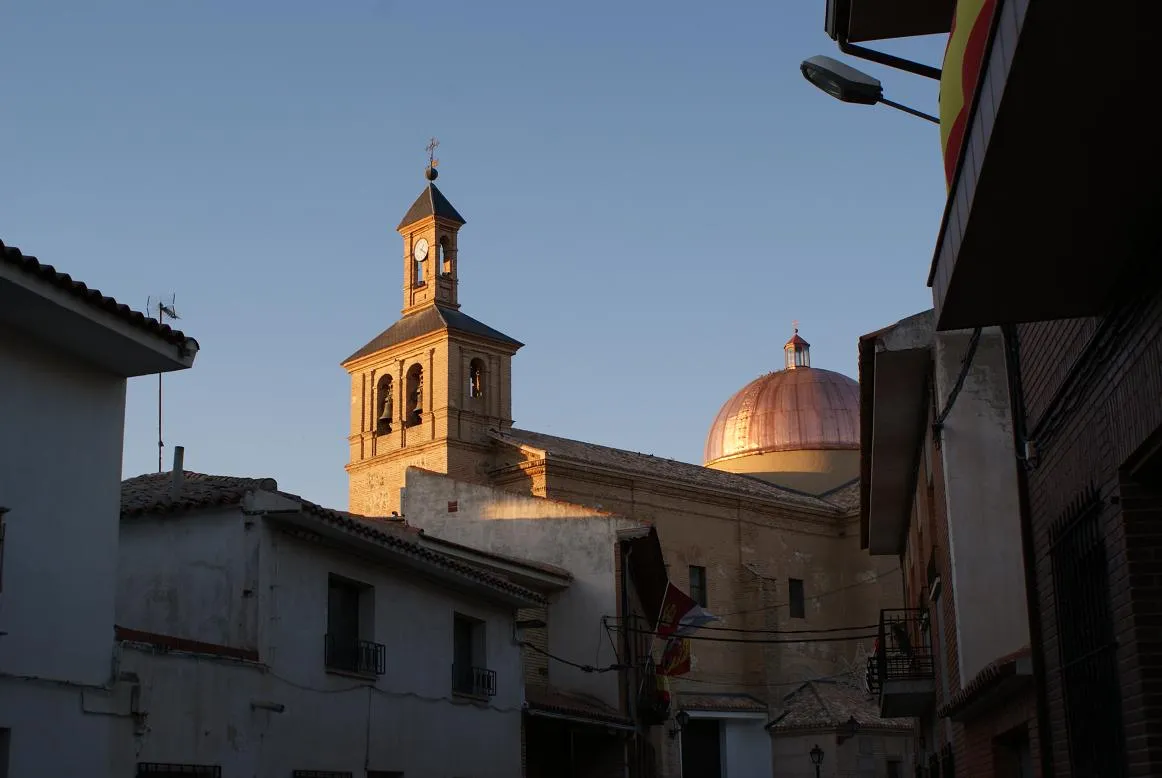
<point x="164" y="307"/>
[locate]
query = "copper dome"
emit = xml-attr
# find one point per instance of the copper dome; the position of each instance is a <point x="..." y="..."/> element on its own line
<point x="802" y="408"/>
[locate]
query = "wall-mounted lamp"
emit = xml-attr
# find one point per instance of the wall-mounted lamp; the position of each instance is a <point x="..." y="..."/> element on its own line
<point x="681" y="719"/>
<point x="849" y="85"/>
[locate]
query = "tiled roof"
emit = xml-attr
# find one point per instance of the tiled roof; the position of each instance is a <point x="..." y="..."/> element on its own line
<point x="553" y="700"/>
<point x="727" y="703"/>
<point x="987" y="679"/>
<point x="665" y="469"/>
<point x="832" y="703"/>
<point x="431" y="319"/>
<point x="431" y="202"/>
<point x="150" y="494"/>
<point x="845" y="496"/>
<point x="13" y="257"/>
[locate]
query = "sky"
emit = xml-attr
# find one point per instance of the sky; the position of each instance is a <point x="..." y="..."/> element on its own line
<point x="653" y="193"/>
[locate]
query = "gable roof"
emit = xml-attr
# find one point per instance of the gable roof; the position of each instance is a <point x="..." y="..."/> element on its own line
<point x="827" y="703"/>
<point x="150" y="494"/>
<point x="632" y="462"/>
<point x="428" y="320"/>
<point x="13" y="257"/>
<point x="845" y="496"/>
<point x="431" y="202"/>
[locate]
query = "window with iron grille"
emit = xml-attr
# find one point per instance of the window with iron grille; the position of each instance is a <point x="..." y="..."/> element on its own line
<point x="1086" y="642"/>
<point x="169" y="770"/>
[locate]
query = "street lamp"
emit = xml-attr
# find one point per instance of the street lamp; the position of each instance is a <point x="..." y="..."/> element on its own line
<point x="816" y="758"/>
<point x="849" y="85"/>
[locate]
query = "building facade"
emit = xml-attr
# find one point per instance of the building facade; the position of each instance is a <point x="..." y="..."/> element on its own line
<point x="66" y="352"/>
<point x="1031" y="242"/>
<point x="940" y="493"/>
<point x="592" y="703"/>
<point x="303" y="639"/>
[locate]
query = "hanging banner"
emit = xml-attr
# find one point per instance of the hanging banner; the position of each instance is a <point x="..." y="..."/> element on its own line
<point x="680" y="614"/>
<point x="963" y="62"/>
<point x="677" y="658"/>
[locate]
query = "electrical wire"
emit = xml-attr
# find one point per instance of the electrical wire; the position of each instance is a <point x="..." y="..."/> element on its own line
<point x="756" y="642"/>
<point x="772" y="631"/>
<point x="821" y="595"/>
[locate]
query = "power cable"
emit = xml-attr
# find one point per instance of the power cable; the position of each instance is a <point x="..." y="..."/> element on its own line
<point x="755" y="642"/>
<point x="827" y="593"/>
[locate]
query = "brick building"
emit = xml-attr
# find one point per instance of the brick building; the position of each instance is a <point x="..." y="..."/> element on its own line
<point x="940" y="492"/>
<point x="1035" y="240"/>
<point x="765" y="535"/>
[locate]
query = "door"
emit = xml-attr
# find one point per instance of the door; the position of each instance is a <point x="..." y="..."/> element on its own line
<point x="702" y="749"/>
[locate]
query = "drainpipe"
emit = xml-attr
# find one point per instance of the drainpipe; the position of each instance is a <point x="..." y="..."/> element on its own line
<point x="628" y="676"/>
<point x="1029" y="552"/>
<point x="179" y="475"/>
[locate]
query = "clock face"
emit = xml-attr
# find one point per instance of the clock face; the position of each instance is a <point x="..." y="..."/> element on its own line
<point x="421" y="250"/>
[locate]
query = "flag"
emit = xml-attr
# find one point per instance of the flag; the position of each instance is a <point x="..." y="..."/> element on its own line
<point x="680" y="614"/>
<point x="676" y="658"/>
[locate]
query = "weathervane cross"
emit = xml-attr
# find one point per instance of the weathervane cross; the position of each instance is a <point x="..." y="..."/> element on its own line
<point x="433" y="144"/>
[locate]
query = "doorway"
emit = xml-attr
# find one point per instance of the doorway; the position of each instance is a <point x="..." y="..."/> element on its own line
<point x="702" y="749"/>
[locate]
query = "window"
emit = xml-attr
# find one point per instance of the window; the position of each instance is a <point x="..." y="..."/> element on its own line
<point x="698" y="585"/>
<point x="385" y="405"/>
<point x="167" y="770"/>
<point x="469" y="674"/>
<point x="894" y="769"/>
<point x="5" y="741"/>
<point x="444" y="256"/>
<point x="476" y="378"/>
<point x="415" y="396"/>
<point x="322" y="774"/>
<point x="349" y="648"/>
<point x="797" y="601"/>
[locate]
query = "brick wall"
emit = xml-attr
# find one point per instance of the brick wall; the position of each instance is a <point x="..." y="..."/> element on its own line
<point x="1108" y="417"/>
<point x="980" y="752"/>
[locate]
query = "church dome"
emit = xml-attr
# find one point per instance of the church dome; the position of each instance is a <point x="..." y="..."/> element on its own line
<point x="797" y="409"/>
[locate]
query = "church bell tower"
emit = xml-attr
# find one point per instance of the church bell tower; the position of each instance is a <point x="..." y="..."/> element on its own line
<point x="427" y="390"/>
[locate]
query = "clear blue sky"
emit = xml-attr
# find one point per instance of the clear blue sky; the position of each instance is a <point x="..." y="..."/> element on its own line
<point x="653" y="192"/>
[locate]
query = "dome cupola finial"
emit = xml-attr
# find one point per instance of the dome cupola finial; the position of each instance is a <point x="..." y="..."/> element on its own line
<point x="796" y="351"/>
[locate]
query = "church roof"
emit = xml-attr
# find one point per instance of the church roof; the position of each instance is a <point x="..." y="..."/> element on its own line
<point x="666" y="469"/>
<point x="431" y="319"/>
<point x="431" y="202"/>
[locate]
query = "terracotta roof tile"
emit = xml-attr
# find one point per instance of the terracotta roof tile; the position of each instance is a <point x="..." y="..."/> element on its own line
<point x="993" y="674"/>
<point x="845" y="496"/>
<point x="665" y="469"/>
<point x="434" y="318"/>
<point x="832" y="703"/>
<point x="553" y="700"/>
<point x="13" y="257"/>
<point x="149" y="494"/>
<point x="728" y="703"/>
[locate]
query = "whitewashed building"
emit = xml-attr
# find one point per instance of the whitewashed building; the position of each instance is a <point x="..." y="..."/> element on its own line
<point x="65" y="354"/>
<point x="270" y="635"/>
<point x="604" y="577"/>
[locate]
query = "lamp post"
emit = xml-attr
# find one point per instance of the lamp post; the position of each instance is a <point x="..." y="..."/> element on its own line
<point x="849" y="85"/>
<point x="817" y="758"/>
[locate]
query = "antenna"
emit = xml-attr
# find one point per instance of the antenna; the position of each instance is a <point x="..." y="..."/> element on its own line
<point x="165" y="307"/>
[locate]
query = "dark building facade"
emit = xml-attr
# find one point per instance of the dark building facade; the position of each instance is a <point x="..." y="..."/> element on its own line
<point x="1050" y="232"/>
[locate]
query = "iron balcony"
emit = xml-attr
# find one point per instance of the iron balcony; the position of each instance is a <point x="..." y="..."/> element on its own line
<point x="473" y="681"/>
<point x="902" y="670"/>
<point x="351" y="655"/>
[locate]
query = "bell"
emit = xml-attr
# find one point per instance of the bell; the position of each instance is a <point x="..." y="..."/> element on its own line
<point x="386" y="415"/>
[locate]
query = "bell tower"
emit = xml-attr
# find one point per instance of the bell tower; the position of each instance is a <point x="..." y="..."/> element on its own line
<point x="427" y="390"/>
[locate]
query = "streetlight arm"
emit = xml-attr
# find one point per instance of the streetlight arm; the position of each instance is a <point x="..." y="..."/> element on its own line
<point x="890" y="60"/>
<point x="912" y="111"/>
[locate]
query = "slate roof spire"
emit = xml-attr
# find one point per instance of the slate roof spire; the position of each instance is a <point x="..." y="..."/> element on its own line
<point x="431" y="202"/>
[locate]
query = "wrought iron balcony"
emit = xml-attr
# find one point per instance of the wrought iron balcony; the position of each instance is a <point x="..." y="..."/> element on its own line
<point x="473" y="681"/>
<point x="351" y="655"/>
<point x="903" y="671"/>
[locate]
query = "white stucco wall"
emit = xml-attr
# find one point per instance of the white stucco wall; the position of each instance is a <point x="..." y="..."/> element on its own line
<point x="192" y="576"/>
<point x="746" y="748"/>
<point x="188" y="575"/>
<point x="982" y="503"/>
<point x="61" y="433"/>
<point x="545" y="531"/>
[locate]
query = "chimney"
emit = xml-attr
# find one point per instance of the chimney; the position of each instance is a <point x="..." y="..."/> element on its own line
<point x="179" y="456"/>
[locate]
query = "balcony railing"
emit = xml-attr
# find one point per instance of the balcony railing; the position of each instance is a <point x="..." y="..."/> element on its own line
<point x="474" y="681"/>
<point x="903" y="671"/>
<point x="351" y="655"/>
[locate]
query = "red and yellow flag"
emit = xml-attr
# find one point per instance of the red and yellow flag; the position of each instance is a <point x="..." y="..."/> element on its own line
<point x="963" y="62"/>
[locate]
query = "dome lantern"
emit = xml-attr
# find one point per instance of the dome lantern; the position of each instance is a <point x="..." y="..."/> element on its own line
<point x="796" y="352"/>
